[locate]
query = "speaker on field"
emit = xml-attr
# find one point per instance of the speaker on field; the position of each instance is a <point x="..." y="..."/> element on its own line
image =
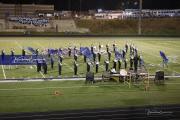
<point x="159" y="76"/>
<point x="90" y="77"/>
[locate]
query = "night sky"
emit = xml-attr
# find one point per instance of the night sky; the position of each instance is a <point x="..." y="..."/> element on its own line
<point x="103" y="4"/>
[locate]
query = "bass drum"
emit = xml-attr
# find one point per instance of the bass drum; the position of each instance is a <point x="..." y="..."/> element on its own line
<point x="123" y="72"/>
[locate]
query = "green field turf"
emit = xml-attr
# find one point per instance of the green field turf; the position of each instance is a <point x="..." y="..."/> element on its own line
<point x="39" y="96"/>
<point x="148" y="47"/>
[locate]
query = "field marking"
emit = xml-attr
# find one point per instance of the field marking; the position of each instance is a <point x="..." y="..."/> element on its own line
<point x="20" y="46"/>
<point x="4" y="74"/>
<point x="38" y="44"/>
<point x="68" y="66"/>
<point x="102" y="66"/>
<point x="42" y="74"/>
<point x="95" y="86"/>
<point x="149" y="66"/>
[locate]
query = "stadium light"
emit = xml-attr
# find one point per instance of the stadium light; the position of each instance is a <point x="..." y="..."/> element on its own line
<point x="140" y="18"/>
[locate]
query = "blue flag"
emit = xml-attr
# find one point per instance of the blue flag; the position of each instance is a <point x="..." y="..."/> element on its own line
<point x="86" y="51"/>
<point x="52" y="51"/>
<point x="31" y="50"/>
<point x="163" y="56"/>
<point x="60" y="52"/>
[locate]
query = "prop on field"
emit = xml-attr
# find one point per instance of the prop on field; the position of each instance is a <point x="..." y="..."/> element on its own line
<point x="164" y="58"/>
<point x="92" y="57"/>
<point x="90" y="77"/>
<point x="128" y="76"/>
<point x="137" y="71"/>
<point x="31" y="50"/>
<point x="124" y="74"/>
<point x="159" y="77"/>
<point x="86" y="52"/>
<point x="57" y="93"/>
<point x="21" y="60"/>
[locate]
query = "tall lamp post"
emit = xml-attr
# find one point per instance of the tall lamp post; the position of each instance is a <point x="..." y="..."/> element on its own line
<point x="140" y="18"/>
<point x="69" y="5"/>
<point x="80" y="5"/>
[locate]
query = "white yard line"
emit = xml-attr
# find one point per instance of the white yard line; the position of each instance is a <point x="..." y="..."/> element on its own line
<point x="68" y="66"/>
<point x="102" y="66"/>
<point x="42" y="74"/>
<point x="20" y="46"/>
<point x="39" y="72"/>
<point x="4" y="74"/>
<point x="71" y="68"/>
<point x="41" y="46"/>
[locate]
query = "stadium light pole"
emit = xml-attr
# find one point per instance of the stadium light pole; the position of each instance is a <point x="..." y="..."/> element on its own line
<point x="140" y="18"/>
<point x="80" y="6"/>
<point x="69" y="5"/>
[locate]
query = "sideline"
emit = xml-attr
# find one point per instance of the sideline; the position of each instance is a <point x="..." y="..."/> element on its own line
<point x="65" y="87"/>
<point x="64" y="79"/>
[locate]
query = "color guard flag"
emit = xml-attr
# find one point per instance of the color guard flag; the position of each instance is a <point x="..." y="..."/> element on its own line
<point x="86" y="51"/>
<point x="163" y="56"/>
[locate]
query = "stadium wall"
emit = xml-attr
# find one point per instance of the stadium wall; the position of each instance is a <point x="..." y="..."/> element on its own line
<point x="153" y="26"/>
<point x="150" y="27"/>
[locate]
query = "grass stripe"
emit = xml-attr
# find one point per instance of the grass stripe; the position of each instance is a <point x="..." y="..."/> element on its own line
<point x="94" y="86"/>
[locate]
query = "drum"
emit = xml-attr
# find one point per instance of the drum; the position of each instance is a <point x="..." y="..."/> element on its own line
<point x="123" y="72"/>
